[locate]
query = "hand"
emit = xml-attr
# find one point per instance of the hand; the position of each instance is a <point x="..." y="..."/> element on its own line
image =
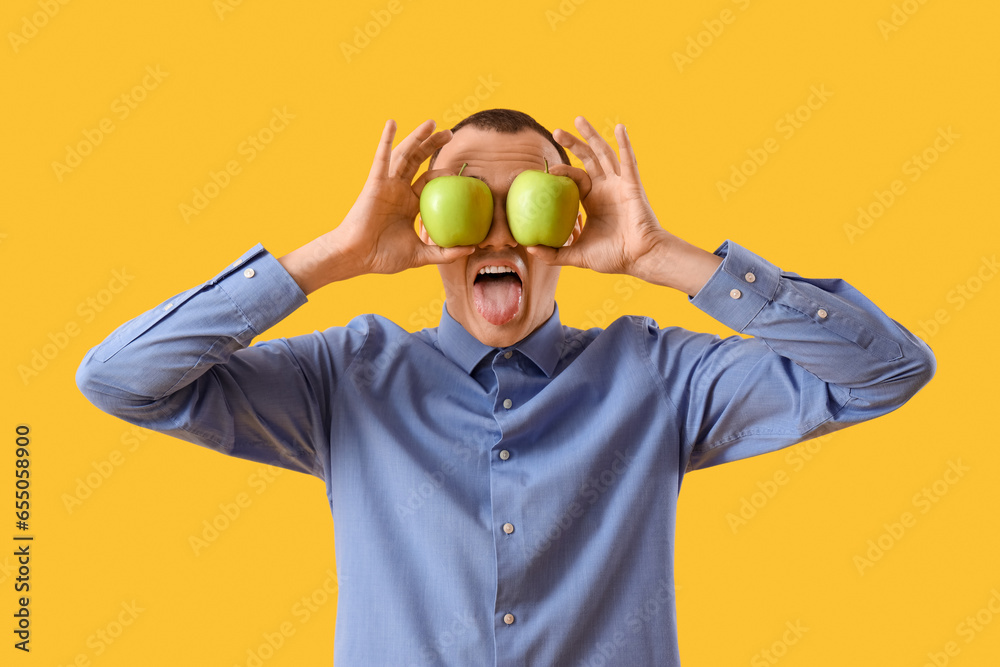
<point x="378" y="231"/>
<point x="621" y="229"/>
<point x="378" y="235"/>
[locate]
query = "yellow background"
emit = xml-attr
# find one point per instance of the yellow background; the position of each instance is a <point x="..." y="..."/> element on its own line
<point x="61" y="241"/>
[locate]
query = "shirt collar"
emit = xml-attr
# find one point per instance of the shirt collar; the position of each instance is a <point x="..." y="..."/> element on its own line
<point x="543" y="345"/>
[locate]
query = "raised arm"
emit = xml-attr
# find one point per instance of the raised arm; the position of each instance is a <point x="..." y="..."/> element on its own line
<point x="185" y="367"/>
<point x="823" y="355"/>
<point x="377" y="235"/>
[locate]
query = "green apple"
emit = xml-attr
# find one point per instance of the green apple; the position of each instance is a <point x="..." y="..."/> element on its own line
<point x="456" y="210"/>
<point x="542" y="207"/>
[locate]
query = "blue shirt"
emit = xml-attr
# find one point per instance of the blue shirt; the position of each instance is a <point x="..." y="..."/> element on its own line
<point x="507" y="506"/>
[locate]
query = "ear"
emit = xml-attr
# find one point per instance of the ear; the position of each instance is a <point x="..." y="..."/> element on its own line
<point x="577" y="230"/>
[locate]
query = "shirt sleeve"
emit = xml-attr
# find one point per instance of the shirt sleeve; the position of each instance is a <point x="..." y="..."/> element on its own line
<point x="822" y="357"/>
<point x="185" y="368"/>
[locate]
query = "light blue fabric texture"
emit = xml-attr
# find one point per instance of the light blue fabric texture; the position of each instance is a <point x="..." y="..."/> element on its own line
<point x="471" y="486"/>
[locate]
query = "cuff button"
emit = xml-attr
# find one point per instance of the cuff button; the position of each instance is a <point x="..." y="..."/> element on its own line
<point x="249" y="273"/>
<point x="821" y="313"/>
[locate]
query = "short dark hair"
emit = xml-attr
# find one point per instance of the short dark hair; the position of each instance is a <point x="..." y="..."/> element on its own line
<point x="506" y="121"/>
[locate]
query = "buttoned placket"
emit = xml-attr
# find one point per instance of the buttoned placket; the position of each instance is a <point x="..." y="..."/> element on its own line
<point x="510" y="396"/>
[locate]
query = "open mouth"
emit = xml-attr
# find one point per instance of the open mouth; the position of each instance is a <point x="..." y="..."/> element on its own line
<point x="497" y="293"/>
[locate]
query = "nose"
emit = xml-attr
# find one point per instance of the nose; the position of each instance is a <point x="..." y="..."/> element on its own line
<point x="499" y="235"/>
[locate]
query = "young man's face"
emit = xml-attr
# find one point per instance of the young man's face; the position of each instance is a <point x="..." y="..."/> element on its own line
<point x="502" y="308"/>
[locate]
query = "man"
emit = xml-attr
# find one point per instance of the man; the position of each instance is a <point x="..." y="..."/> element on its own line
<point x="503" y="487"/>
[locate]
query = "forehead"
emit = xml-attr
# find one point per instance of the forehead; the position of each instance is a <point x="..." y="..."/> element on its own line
<point x="493" y="155"/>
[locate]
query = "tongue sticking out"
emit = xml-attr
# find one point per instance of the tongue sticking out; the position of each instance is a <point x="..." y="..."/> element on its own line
<point x="498" y="298"/>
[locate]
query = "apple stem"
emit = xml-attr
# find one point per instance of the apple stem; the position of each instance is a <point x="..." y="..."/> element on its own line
<point x="546" y="164"/>
<point x="463" y="168"/>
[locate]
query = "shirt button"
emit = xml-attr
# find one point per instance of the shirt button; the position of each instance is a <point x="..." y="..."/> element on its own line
<point x="822" y="313"/>
<point x="508" y="619"/>
<point x="168" y="306"/>
<point x="249" y="273"/>
<point x="504" y="454"/>
<point x="507" y="403"/>
<point x="735" y="293"/>
<point x="750" y="277"/>
<point x="508" y="354"/>
<point x="508" y="528"/>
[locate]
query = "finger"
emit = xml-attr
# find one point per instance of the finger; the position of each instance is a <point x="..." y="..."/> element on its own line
<point x="564" y="256"/>
<point x="410" y="154"/>
<point x="428" y="254"/>
<point x="405" y="154"/>
<point x="604" y="152"/>
<point x="401" y="154"/>
<point x="408" y="161"/>
<point x="380" y="165"/>
<point x="580" y="149"/>
<point x="431" y="144"/>
<point x="630" y="166"/>
<point x="582" y="178"/>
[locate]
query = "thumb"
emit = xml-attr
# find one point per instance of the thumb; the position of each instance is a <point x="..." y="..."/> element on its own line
<point x="564" y="256"/>
<point x="432" y="254"/>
